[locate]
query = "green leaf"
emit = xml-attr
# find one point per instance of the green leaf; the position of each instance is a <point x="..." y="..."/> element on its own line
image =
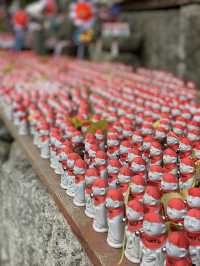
<point x="126" y="199"/>
<point x="94" y="126"/>
<point x="7" y="69"/>
<point x="78" y="122"/>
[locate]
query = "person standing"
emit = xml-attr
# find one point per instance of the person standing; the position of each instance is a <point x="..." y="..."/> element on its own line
<point x="20" y="22"/>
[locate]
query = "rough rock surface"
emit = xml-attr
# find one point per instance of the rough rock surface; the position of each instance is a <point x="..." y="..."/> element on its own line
<point x="32" y="230"/>
<point x="169" y="39"/>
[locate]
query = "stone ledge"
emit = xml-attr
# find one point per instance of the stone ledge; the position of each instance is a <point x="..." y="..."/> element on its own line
<point x="94" y="243"/>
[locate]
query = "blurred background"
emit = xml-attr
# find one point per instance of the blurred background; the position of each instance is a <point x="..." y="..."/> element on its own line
<point x="160" y="34"/>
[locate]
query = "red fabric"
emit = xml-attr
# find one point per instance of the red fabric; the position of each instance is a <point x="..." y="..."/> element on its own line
<point x="123" y="157"/>
<point x="53" y="147"/>
<point x="194" y="238"/>
<point x="44" y="138"/>
<point x="112" y="213"/>
<point x="155" y="159"/>
<point x="134" y="226"/>
<point x="154" y="183"/>
<point x="173" y="146"/>
<point x="112" y="150"/>
<point x="178" y="262"/>
<point x="21" y="18"/>
<point x="186" y="177"/>
<point x="112" y="177"/>
<point x="51" y="7"/>
<point x="167" y="168"/>
<point x="98" y="200"/>
<point x="148" y="208"/>
<point x="88" y="189"/>
<point x="79" y="178"/>
<point x="185" y="154"/>
<point x="153" y="242"/>
<point x="123" y="187"/>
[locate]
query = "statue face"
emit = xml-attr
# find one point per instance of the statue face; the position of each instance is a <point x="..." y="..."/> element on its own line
<point x="110" y="203"/>
<point x="70" y="163"/>
<point x="78" y="171"/>
<point x="137" y="167"/>
<point x="99" y="161"/>
<point x="149" y="200"/>
<point x="191" y="224"/>
<point x="193" y="202"/>
<point x="174" y="251"/>
<point x="154" y="176"/>
<point x="184" y="147"/>
<point x="172" y="140"/>
<point x="168" y="186"/>
<point x="153" y="229"/>
<point x="176" y="214"/>
<point x="186" y="168"/>
<point x="169" y="159"/>
<point x="132" y="215"/>
<point x="136" y="188"/>
<point x="154" y="151"/>
<point x="112" y="169"/>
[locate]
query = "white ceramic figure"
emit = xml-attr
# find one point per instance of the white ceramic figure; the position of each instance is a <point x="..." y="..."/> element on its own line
<point x="99" y="190"/>
<point x="115" y="216"/>
<point x="193" y="198"/>
<point x="101" y="163"/>
<point x="192" y="227"/>
<point x="177" y="249"/>
<point x="176" y="210"/>
<point x="153" y="240"/>
<point x="134" y="214"/>
<point x="45" y="152"/>
<point x="79" y="172"/>
<point x="23" y="126"/>
<point x="64" y="177"/>
<point x="72" y="157"/>
<point x="90" y="176"/>
<point x="113" y="170"/>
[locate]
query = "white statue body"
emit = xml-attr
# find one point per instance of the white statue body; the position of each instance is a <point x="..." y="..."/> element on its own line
<point x="89" y="208"/>
<point x="100" y="218"/>
<point x="133" y="249"/>
<point x="152" y="257"/>
<point x="135" y="215"/>
<point x="64" y="180"/>
<point x="70" y="184"/>
<point x="99" y="190"/>
<point x="45" y="149"/>
<point x="79" y="195"/>
<point x="116" y="231"/>
<point x="23" y="128"/>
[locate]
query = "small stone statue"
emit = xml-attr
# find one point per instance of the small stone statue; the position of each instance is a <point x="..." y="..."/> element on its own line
<point x="79" y="172"/>
<point x="99" y="190"/>
<point x="90" y="176"/>
<point x="135" y="215"/>
<point x="177" y="250"/>
<point x="193" y="198"/>
<point x="153" y="240"/>
<point x="192" y="228"/>
<point x="115" y="206"/>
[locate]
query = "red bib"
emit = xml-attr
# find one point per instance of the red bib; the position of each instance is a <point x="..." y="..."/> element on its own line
<point x="153" y="242"/>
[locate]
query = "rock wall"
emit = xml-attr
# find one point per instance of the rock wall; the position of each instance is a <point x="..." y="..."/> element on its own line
<point x="169" y="39"/>
<point x="32" y="230"/>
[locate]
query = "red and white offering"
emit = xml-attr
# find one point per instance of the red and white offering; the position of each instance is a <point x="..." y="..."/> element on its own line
<point x="125" y="144"/>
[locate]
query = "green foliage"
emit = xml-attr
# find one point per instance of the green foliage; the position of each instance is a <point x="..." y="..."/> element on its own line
<point x="94" y="126"/>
